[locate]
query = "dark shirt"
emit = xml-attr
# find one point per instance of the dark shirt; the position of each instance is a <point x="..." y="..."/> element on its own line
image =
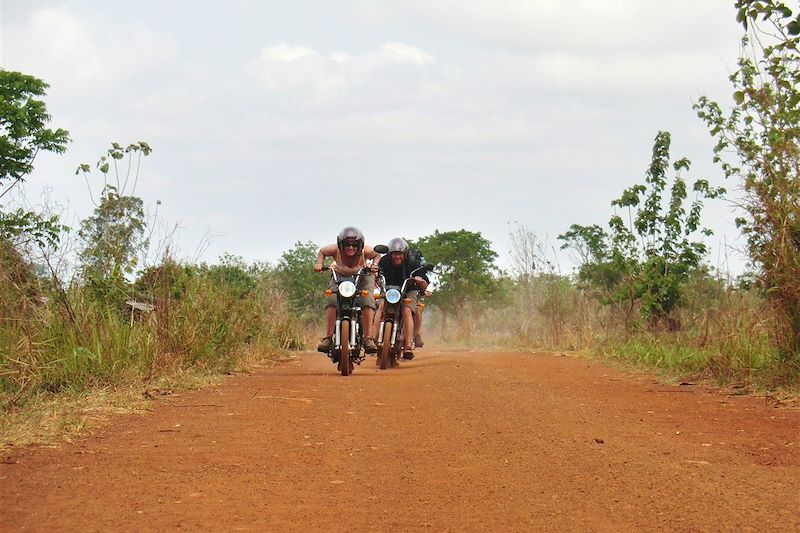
<point x="396" y="275"/>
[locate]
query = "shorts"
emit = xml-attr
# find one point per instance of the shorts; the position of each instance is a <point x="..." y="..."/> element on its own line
<point x="414" y="297"/>
<point x="366" y="283"/>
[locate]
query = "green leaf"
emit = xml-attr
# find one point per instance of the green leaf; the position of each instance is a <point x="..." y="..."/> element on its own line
<point x="738" y="97"/>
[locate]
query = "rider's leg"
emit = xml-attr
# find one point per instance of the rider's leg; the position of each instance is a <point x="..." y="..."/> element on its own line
<point x="330" y="320"/>
<point x="408" y="326"/>
<point x="418" y="328"/>
<point x="366" y="321"/>
<point x="366" y="326"/>
<point x="376" y="321"/>
<point x="367" y="302"/>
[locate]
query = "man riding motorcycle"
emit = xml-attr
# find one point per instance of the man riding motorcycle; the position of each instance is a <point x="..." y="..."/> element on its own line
<point x="350" y="255"/>
<point x="396" y="266"/>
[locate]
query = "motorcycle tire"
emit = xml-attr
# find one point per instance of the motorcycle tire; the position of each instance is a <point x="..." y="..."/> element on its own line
<point x="386" y="347"/>
<point x="345" y="363"/>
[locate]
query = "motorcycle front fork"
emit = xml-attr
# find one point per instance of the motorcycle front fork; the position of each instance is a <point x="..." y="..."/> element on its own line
<point x="354" y="329"/>
<point x="394" y="333"/>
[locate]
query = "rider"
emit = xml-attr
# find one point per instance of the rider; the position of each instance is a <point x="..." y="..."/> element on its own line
<point x="396" y="266"/>
<point x="418" y="317"/>
<point x="350" y="255"/>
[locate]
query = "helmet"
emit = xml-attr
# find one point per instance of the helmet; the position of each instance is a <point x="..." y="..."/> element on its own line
<point x="398" y="245"/>
<point x="350" y="234"/>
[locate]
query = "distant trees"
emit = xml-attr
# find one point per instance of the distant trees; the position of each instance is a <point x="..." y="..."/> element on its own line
<point x="296" y="277"/>
<point x="466" y="263"/>
<point x="758" y="142"/>
<point x="648" y="258"/>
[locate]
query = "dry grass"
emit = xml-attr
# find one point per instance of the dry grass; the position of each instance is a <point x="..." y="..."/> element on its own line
<point x="52" y="419"/>
<point x="69" y="360"/>
<point x="724" y="337"/>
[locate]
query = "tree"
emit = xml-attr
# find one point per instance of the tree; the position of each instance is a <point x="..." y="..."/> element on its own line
<point x="296" y="276"/>
<point x="23" y="134"/>
<point x="649" y="259"/>
<point x="465" y="262"/>
<point x="114" y="235"/>
<point x="21" y="228"/>
<point x="758" y="143"/>
<point x="233" y="273"/>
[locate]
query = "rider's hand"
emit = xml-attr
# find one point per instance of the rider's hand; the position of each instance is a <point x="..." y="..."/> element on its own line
<point x="317" y="267"/>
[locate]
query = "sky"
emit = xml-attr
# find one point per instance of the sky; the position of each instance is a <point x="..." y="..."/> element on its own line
<point x="274" y="122"/>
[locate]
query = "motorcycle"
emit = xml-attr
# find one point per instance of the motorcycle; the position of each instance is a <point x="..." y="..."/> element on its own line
<point x="348" y="339"/>
<point x="390" y="333"/>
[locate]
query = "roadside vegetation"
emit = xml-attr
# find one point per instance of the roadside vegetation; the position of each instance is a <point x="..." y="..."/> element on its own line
<point x="104" y="307"/>
<point x="644" y="292"/>
<point x="83" y="312"/>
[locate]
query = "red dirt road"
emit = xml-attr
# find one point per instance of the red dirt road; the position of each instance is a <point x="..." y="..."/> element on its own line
<point x="451" y="441"/>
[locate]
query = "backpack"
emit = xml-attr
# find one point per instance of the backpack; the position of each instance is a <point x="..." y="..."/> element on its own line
<point x="415" y="257"/>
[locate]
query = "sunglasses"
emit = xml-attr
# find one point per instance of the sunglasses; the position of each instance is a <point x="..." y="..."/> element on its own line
<point x="351" y="246"/>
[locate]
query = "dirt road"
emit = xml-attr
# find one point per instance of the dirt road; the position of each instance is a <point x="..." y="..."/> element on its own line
<point x="452" y="441"/>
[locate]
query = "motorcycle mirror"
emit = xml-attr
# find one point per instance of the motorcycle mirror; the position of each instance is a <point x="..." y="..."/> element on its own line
<point x="381" y="248"/>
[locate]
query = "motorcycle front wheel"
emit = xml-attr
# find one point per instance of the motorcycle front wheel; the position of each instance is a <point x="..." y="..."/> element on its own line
<point x="386" y="347"/>
<point x="345" y="364"/>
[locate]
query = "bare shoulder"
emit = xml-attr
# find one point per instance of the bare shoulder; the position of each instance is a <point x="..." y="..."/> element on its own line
<point x="329" y="250"/>
<point x="370" y="252"/>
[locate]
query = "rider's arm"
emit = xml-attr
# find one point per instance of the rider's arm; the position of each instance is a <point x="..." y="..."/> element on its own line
<point x="420" y="278"/>
<point x="325" y="251"/>
<point x="369" y="253"/>
<point x="422" y="283"/>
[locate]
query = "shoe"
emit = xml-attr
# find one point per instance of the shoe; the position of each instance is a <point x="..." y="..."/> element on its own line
<point x="418" y="341"/>
<point x="370" y="346"/>
<point x="408" y="354"/>
<point x="324" y="345"/>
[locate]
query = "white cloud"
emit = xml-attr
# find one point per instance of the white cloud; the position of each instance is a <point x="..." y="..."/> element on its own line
<point x="309" y="76"/>
<point x="285" y="53"/>
<point x="403" y="53"/>
<point x="84" y="56"/>
<point x="584" y="25"/>
<point x="631" y="75"/>
<point x="304" y="73"/>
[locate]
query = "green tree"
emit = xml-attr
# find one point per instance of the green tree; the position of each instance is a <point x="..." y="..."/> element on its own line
<point x="235" y="274"/>
<point x="296" y="276"/>
<point x="114" y="236"/>
<point x="465" y="263"/>
<point x="647" y="260"/>
<point x="758" y="142"/>
<point x="23" y="134"/>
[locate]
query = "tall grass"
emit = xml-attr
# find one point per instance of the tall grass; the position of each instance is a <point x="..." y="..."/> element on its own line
<point x="722" y="333"/>
<point x="55" y="340"/>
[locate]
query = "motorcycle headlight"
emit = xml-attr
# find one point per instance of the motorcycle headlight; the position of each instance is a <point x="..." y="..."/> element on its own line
<point x="347" y="289"/>
<point x="392" y="296"/>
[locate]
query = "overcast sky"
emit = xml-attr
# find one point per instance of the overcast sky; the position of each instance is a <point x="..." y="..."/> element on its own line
<point x="282" y="121"/>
